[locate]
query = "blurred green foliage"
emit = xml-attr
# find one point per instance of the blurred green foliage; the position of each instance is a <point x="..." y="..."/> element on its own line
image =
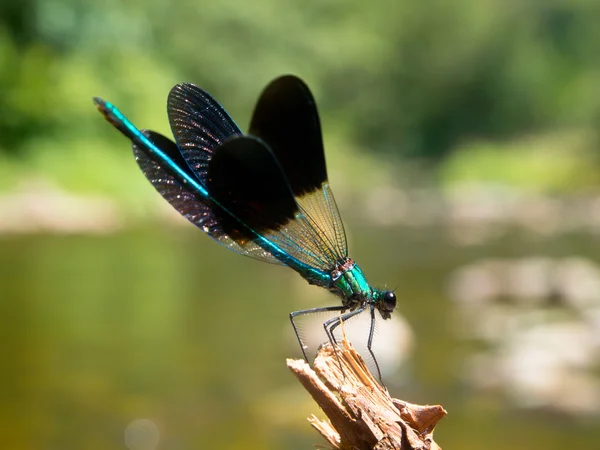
<point x="420" y="79"/>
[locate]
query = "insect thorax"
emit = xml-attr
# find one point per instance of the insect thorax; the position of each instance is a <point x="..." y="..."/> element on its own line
<point x="348" y="282"/>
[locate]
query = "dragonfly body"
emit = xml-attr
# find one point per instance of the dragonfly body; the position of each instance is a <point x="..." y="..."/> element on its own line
<point x="263" y="194"/>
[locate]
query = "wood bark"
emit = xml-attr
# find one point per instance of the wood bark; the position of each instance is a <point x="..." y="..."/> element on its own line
<point x="361" y="413"/>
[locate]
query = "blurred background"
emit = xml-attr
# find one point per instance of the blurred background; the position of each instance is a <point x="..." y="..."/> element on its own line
<point x="462" y="141"/>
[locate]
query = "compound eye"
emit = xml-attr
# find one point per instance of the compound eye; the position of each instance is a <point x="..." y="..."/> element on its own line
<point x="389" y="300"/>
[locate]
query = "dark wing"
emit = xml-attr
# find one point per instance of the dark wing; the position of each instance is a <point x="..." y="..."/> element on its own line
<point x="190" y="203"/>
<point x="258" y="205"/>
<point x="200" y="125"/>
<point x="245" y="178"/>
<point x="286" y="118"/>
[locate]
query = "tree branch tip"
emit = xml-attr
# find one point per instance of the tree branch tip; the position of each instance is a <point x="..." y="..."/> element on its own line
<point x="361" y="413"/>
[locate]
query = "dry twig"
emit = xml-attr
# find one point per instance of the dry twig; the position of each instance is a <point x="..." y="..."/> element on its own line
<point x="362" y="415"/>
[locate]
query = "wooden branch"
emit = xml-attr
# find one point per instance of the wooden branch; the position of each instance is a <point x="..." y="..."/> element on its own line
<point x="361" y="413"/>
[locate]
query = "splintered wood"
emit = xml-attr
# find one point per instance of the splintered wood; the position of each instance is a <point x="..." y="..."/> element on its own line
<point x="361" y="413"/>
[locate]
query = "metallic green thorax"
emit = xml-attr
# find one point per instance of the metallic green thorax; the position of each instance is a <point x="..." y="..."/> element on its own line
<point x="349" y="283"/>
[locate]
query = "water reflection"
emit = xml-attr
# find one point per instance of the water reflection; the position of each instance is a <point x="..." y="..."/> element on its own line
<point x="538" y="322"/>
<point x="102" y="330"/>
